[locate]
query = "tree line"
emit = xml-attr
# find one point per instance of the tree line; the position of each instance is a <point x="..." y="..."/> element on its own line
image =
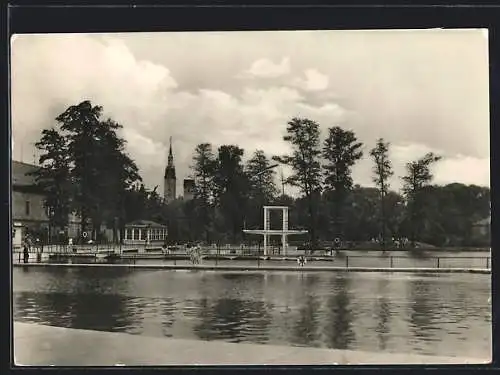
<point x="86" y="170"/>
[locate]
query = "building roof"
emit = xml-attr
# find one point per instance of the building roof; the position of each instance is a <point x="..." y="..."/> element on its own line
<point x="20" y="176"/>
<point x="145" y="223"/>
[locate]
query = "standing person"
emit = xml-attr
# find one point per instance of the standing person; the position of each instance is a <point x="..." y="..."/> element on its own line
<point x="26" y="253"/>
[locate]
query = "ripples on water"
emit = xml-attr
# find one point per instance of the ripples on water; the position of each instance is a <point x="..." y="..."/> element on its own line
<point x="447" y="314"/>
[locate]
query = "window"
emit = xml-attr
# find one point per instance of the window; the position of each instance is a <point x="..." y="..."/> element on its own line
<point x="27" y="208"/>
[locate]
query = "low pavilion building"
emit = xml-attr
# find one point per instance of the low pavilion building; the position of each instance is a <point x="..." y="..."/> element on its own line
<point x="141" y="232"/>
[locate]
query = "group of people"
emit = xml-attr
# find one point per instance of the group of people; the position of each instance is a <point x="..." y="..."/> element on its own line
<point x="194" y="254"/>
<point x="397" y="242"/>
<point x="301" y="260"/>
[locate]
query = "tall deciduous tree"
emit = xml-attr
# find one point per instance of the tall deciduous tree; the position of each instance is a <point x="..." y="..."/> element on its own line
<point x="304" y="137"/>
<point x="203" y="169"/>
<point x="341" y="151"/>
<point x="382" y="172"/>
<point x="117" y="175"/>
<point x="95" y="160"/>
<point x="262" y="177"/>
<point x="54" y="176"/>
<point x="418" y="176"/>
<point x="80" y="123"/>
<point x="231" y="186"/>
<point x="262" y="187"/>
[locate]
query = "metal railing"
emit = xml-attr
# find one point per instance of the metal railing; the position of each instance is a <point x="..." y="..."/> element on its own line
<point x="225" y="257"/>
<point x="394" y="261"/>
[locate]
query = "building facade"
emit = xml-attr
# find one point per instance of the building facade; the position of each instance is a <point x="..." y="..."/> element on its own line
<point x="169" y="179"/>
<point x="28" y="204"/>
<point x="27" y="200"/>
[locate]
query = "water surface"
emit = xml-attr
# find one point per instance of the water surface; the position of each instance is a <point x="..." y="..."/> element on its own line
<point x="443" y="314"/>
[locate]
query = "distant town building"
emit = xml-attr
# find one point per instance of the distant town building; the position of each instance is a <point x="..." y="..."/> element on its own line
<point x="188" y="189"/>
<point x="169" y="180"/>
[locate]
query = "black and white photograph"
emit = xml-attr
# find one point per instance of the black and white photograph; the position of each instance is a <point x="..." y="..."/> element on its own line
<point x="251" y="198"/>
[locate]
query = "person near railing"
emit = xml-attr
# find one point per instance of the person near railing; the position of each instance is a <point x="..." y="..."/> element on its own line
<point x="194" y="253"/>
<point x="26" y="252"/>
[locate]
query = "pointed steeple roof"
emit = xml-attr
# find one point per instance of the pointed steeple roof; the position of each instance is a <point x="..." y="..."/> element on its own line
<point x="170" y="148"/>
<point x="170" y="169"/>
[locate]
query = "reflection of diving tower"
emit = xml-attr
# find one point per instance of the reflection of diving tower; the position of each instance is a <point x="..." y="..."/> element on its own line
<point x="267" y="231"/>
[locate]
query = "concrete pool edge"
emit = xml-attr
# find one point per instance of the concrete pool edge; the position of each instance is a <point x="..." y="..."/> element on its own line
<point x="260" y="268"/>
<point x="42" y="345"/>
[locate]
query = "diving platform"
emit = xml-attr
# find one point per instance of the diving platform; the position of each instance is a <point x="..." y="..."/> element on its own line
<point x="274" y="232"/>
<point x="284" y="232"/>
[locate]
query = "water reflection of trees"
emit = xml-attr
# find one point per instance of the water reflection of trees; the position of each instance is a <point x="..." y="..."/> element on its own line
<point x="83" y="311"/>
<point x="339" y="331"/>
<point x="305" y="329"/>
<point x="166" y="311"/>
<point x="235" y="319"/>
<point x="383" y="314"/>
<point x="422" y="307"/>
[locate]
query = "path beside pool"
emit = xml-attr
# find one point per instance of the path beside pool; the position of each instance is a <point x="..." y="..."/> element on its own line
<point x="41" y="345"/>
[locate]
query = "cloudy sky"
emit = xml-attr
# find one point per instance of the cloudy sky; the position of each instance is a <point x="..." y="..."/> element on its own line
<point x="421" y="90"/>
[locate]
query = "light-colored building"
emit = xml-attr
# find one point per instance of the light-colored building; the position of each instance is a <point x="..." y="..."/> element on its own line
<point x="27" y="200"/>
<point x="28" y="208"/>
<point x="189" y="187"/>
<point x="145" y="232"/>
<point x="17" y="236"/>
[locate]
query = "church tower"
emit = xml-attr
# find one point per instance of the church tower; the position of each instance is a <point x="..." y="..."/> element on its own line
<point x="169" y="179"/>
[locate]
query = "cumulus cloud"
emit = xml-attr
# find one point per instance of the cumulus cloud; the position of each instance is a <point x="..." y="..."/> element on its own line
<point x="451" y="168"/>
<point x="432" y="96"/>
<point x="313" y="81"/>
<point x="469" y="169"/>
<point x="78" y="67"/>
<point x="266" y="68"/>
<point x="52" y="72"/>
<point x="145" y="148"/>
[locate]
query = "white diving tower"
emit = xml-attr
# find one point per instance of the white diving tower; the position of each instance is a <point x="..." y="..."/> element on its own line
<point x="267" y="231"/>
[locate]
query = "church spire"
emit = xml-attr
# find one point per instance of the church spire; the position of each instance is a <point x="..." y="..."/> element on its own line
<point x="170" y="155"/>
<point x="169" y="180"/>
